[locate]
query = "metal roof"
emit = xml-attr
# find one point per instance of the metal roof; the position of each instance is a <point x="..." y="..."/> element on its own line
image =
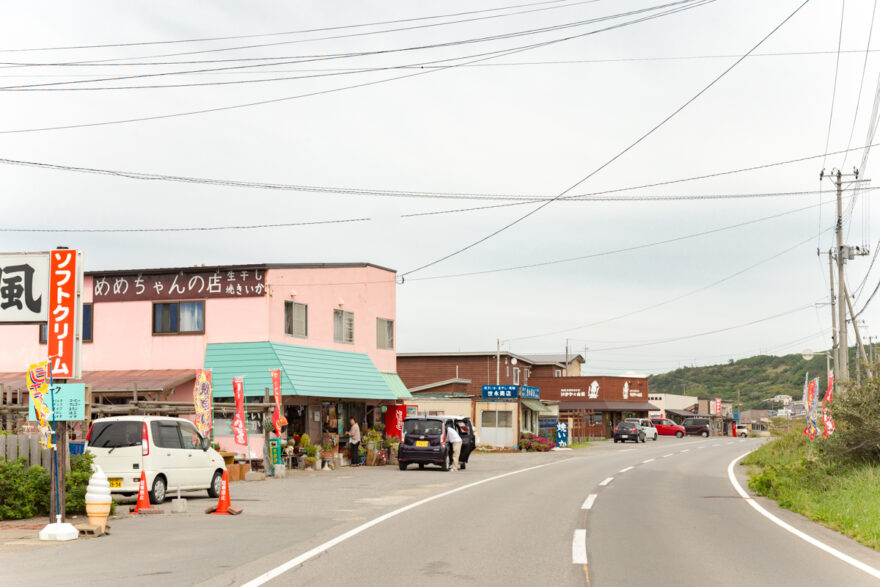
<point x="608" y="406"/>
<point x="305" y="371"/>
<point x="439" y="384"/>
<point x="535" y="405"/>
<point x="551" y="359"/>
<point x="119" y="380"/>
<point x="469" y="354"/>
<point x="396" y="384"/>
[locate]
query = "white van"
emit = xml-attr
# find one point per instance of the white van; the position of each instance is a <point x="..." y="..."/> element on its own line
<point x="170" y="451"/>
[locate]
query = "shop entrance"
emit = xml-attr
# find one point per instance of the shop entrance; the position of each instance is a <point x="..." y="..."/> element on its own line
<point x="496" y="428"/>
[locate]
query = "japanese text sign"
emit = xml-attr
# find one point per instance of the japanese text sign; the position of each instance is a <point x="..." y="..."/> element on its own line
<point x="204" y="402"/>
<point x="24" y="279"/>
<point x="561" y="434"/>
<point x="499" y="391"/>
<point x="64" y="313"/>
<point x="66" y="400"/>
<point x="528" y="392"/>
<point x="37" y="376"/>
<point x="239" y="424"/>
<point x="278" y="419"/>
<point x="718" y="405"/>
<point x="227" y="283"/>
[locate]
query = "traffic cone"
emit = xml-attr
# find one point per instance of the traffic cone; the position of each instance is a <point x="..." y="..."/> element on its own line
<point x="143" y="502"/>
<point x="223" y="503"/>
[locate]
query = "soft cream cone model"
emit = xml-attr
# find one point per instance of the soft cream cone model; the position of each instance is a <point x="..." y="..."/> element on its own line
<point x="98" y="499"/>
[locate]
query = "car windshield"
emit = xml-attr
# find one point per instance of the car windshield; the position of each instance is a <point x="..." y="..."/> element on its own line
<point x="421" y="427"/>
<point x="116" y="434"/>
<point x="626" y="425"/>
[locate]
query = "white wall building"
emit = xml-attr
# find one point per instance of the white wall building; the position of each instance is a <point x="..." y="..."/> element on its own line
<point x="665" y="401"/>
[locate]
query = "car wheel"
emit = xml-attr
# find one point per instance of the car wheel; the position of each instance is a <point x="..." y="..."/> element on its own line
<point x="642" y="439"/>
<point x="157" y="494"/>
<point x="704" y="433"/>
<point x="445" y="464"/>
<point x="679" y="434"/>
<point x="401" y="466"/>
<point x="216" y="484"/>
<point x="743" y="435"/>
<point x="655" y="438"/>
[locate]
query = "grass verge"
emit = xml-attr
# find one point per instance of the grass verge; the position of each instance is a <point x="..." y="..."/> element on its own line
<point x="844" y="497"/>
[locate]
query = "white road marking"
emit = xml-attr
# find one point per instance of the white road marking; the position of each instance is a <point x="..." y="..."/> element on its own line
<point x="729" y="443"/>
<point x="647" y="460"/>
<point x="606" y="481"/>
<point x="669" y="455"/>
<point x="579" y="547"/>
<point x="685" y="450"/>
<point x="802" y="535"/>
<point x="716" y="445"/>
<point x="321" y="548"/>
<point x="625" y="470"/>
<point x="588" y="504"/>
<point x="628" y="450"/>
<point x="700" y="447"/>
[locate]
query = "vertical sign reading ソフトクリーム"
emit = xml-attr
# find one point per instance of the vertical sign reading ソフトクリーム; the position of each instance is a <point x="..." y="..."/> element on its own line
<point x="64" y="313"/>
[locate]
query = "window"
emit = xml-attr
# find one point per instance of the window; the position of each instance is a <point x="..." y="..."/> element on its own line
<point x="116" y="434"/>
<point x="557" y="373"/>
<point x="166" y="435"/>
<point x="191" y="437"/>
<point x="516" y="375"/>
<point x="384" y="333"/>
<point x="179" y="318"/>
<point x="296" y="319"/>
<point x="86" y="326"/>
<point x="488" y="419"/>
<point x="597" y="418"/>
<point x="343" y="326"/>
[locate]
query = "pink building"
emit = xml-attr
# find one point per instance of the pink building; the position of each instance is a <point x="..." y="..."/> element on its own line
<point x="146" y="332"/>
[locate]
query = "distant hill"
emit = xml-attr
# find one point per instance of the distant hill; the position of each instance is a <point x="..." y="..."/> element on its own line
<point x="756" y="378"/>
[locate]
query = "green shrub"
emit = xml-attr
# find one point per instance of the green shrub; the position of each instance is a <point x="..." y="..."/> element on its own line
<point x="22" y="491"/>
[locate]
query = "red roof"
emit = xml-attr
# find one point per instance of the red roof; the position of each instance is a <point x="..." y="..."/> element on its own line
<point x="106" y="381"/>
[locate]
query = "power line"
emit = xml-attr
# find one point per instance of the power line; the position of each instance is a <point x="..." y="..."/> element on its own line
<point x="491" y="55"/>
<point x="617" y="156"/>
<point x="188" y="228"/>
<point x="836" y="68"/>
<point x="861" y="80"/>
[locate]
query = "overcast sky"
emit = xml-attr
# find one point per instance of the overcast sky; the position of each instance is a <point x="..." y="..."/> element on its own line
<point x="531" y="123"/>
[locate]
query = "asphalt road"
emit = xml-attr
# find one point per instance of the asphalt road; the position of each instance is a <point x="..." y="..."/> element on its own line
<point x="660" y="513"/>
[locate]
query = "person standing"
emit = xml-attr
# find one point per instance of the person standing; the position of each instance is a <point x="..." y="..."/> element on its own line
<point x="354" y="441"/>
<point x="454" y="437"/>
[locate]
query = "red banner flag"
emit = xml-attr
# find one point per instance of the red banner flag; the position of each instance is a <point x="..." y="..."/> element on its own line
<point x="239" y="423"/>
<point x="827" y="420"/>
<point x="811" y="429"/>
<point x="204" y="403"/>
<point x="278" y="419"/>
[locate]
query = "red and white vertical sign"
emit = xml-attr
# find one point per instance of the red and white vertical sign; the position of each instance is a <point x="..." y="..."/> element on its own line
<point x="239" y="424"/>
<point x="65" y="313"/>
<point x="718" y="405"/>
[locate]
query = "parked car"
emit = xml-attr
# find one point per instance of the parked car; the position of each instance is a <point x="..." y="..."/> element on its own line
<point x="668" y="427"/>
<point x="742" y="430"/>
<point x="647" y="427"/>
<point x="424" y="441"/>
<point x="696" y="426"/>
<point x="628" y="431"/>
<point x="170" y="451"/>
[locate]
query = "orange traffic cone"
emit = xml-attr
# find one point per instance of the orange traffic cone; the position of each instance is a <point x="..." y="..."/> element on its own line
<point x="223" y="503"/>
<point x="143" y="502"/>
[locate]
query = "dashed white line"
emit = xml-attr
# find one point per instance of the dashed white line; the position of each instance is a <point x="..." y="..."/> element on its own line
<point x="700" y="447"/>
<point x="579" y="547"/>
<point x="803" y="536"/>
<point x="628" y="450"/>
<point x="685" y="450"/>
<point x="647" y="461"/>
<point x="588" y="504"/>
<point x="669" y="455"/>
<point x="625" y="470"/>
<point x="606" y="481"/>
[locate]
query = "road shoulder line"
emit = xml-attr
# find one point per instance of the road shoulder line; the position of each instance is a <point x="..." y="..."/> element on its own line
<point x="579" y="547"/>
<point x="786" y="526"/>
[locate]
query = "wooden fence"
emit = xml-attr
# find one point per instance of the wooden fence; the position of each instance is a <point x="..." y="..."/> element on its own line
<point x="13" y="446"/>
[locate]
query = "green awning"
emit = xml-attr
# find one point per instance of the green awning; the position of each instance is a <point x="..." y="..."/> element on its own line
<point x="397" y="386"/>
<point x="305" y="371"/>
<point x="535" y="405"/>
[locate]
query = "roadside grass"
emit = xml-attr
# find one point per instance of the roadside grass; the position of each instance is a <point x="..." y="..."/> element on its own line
<point x="844" y="497"/>
<point x="584" y="444"/>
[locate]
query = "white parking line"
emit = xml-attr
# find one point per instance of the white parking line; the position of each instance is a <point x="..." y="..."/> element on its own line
<point x="606" y="481"/>
<point x="588" y="504"/>
<point x="647" y="461"/>
<point x="625" y="470"/>
<point x="579" y="547"/>
<point x="803" y="536"/>
<point x="669" y="455"/>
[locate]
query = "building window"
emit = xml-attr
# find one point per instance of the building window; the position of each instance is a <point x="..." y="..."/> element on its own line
<point x="179" y="318"/>
<point x="296" y="319"/>
<point x="87" y="315"/>
<point x="557" y="373"/>
<point x="343" y="326"/>
<point x="597" y="418"/>
<point x="516" y="375"/>
<point x="384" y="333"/>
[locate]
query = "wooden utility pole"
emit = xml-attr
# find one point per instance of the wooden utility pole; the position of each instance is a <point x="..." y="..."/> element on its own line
<point x="835" y="349"/>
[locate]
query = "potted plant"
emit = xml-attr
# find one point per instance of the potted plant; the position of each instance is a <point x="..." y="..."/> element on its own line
<point x="311" y="452"/>
<point x="362" y="454"/>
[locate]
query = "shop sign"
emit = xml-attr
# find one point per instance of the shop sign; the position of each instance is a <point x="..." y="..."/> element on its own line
<point x="561" y="434"/>
<point x="528" y="392"/>
<point x="572" y="392"/>
<point x="499" y="391"/>
<point x="594" y="390"/>
<point x="65" y="308"/>
<point x="718" y="405"/>
<point x="24" y="283"/>
<point x="229" y="283"/>
<point x="239" y="423"/>
<point x="204" y="402"/>
<point x="67" y="402"/>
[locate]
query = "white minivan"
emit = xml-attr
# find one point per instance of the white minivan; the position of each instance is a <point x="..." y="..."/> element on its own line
<point x="170" y="451"/>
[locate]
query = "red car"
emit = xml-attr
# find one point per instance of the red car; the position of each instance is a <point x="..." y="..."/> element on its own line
<point x="668" y="427"/>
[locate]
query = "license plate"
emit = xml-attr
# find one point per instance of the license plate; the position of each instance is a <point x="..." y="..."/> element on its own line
<point x="624" y="436"/>
<point x="421" y="443"/>
<point x="115" y="482"/>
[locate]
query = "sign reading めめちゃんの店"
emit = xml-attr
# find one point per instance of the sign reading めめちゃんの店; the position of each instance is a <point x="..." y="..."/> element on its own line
<point x="234" y="282"/>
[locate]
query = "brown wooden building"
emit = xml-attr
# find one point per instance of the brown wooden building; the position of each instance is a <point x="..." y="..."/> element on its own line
<point x="596" y="404"/>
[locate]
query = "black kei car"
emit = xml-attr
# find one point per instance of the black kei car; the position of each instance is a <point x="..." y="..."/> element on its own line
<point x="628" y="431"/>
<point x="424" y="441"/>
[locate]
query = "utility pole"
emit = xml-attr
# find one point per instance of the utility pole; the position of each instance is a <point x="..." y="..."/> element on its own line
<point x="835" y="349"/>
<point x="497" y="361"/>
<point x="566" y="358"/>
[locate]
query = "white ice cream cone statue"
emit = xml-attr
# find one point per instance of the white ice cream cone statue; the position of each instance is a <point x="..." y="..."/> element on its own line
<point x="98" y="500"/>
